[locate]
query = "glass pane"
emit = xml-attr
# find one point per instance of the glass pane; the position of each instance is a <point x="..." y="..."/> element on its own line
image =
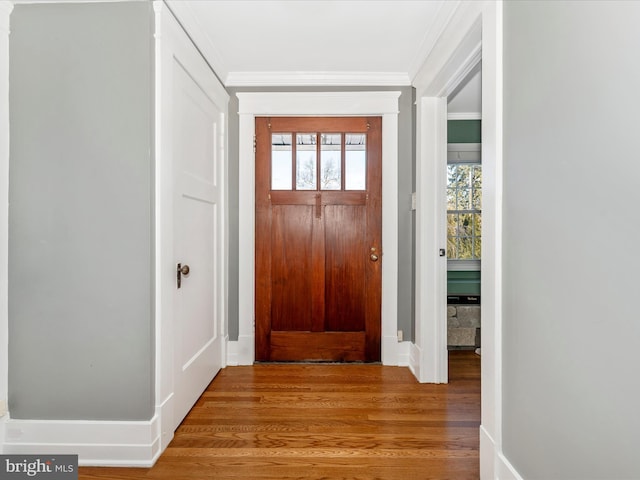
<point x="477" y="225"/>
<point x="477" y="176"/>
<point x="452" y="224"/>
<point x="331" y="161"/>
<point x="451" y="175"/>
<point x="281" y="161"/>
<point x="465" y="225"/>
<point x="451" y="199"/>
<point x="459" y="175"/>
<point x="465" y="248"/>
<point x="355" y="162"/>
<point x="463" y="199"/>
<point x="452" y="248"/>
<point x="477" y="187"/>
<point x="477" y="247"/>
<point x="464" y="194"/>
<point x="306" y="161"/>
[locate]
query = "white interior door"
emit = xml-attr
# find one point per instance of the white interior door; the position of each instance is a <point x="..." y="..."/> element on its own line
<point x="197" y="159"/>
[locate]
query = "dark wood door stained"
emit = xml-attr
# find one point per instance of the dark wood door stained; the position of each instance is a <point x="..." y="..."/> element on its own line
<point x="318" y="288"/>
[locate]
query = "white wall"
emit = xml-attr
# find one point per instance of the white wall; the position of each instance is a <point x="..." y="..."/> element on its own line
<point x="571" y="258"/>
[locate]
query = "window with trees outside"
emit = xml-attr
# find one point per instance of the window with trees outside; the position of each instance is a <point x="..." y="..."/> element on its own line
<point x="464" y="205"/>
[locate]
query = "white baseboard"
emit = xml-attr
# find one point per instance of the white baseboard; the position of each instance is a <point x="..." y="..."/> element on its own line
<point x="403" y="353"/>
<point x="3" y="422"/>
<point x="394" y="353"/>
<point x="232" y="353"/>
<point x="506" y="471"/>
<point x="493" y="464"/>
<point x="98" y="443"/>
<point x="225" y="351"/>
<point x="164" y="412"/>
<point x="242" y="351"/>
<point x="487" y="455"/>
<point x="414" y="360"/>
<point x="427" y="369"/>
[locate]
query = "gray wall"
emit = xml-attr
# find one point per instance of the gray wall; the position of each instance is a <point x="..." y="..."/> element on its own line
<point x="406" y="169"/>
<point x="80" y="245"/>
<point x="571" y="239"/>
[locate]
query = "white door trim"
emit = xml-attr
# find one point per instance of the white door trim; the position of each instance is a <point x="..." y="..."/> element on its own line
<point x="429" y="356"/>
<point x="474" y="31"/>
<point x="252" y="104"/>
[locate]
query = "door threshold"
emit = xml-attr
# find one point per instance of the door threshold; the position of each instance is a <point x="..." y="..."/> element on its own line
<point x="314" y="362"/>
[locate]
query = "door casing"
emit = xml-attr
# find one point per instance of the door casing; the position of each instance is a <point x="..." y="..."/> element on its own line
<point x="475" y="31"/>
<point x="384" y="104"/>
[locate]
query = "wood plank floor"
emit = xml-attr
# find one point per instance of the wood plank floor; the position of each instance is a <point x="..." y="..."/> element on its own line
<point x="303" y="421"/>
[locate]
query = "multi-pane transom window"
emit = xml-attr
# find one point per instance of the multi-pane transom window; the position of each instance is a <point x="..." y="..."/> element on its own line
<point x="318" y="161"/>
<point x="464" y="211"/>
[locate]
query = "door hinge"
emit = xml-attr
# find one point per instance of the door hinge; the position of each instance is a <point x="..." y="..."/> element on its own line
<point x="254" y="144"/>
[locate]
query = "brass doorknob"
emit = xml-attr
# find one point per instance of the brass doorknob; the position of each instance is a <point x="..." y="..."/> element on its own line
<point x="374" y="257"/>
<point x="181" y="270"/>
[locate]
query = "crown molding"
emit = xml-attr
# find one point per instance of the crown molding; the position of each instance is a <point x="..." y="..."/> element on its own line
<point x="316" y="79"/>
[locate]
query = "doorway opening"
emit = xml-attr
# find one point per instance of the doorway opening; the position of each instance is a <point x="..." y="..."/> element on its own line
<point x="382" y="104"/>
<point x="464" y="213"/>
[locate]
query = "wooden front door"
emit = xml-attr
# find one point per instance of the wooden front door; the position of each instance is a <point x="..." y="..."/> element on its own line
<point x="318" y="239"/>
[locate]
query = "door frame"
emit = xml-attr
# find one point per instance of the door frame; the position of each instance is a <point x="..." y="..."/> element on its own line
<point x="474" y="32"/>
<point x="253" y="104"/>
<point x="452" y="59"/>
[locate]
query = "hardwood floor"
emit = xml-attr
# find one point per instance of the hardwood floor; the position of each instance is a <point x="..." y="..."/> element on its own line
<point x="304" y="421"/>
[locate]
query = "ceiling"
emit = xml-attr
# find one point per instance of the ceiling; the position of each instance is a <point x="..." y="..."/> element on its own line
<point x="322" y="43"/>
<point x="312" y="42"/>
<point x="466" y="100"/>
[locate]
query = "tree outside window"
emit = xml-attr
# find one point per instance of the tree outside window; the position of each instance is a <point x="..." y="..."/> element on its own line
<point x="464" y="211"/>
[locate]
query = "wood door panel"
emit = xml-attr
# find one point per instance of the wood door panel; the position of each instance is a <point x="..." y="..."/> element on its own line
<point x="319" y="124"/>
<point x="317" y="291"/>
<point x="345" y="270"/>
<point x="291" y="267"/>
<point x="318" y="346"/>
<point x="328" y="197"/>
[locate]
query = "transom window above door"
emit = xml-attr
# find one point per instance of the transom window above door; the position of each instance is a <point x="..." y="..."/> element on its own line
<point x="318" y="161"/>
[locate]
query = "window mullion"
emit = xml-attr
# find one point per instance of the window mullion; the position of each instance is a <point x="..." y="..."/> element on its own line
<point x="294" y="159"/>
